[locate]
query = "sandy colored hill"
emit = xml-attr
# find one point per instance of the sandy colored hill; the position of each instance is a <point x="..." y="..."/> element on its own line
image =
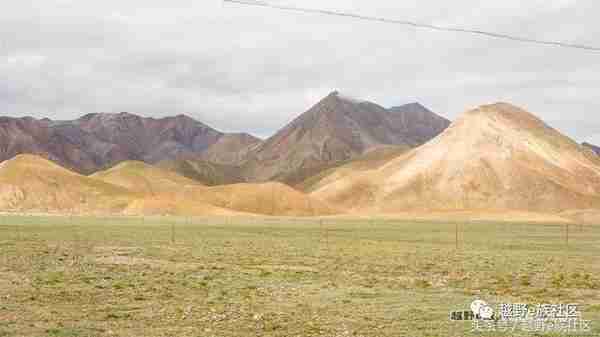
<point x="161" y="192"/>
<point x="165" y="192"/>
<point x="205" y="172"/>
<point x="266" y="198"/>
<point x="494" y="157"/>
<point x="594" y="148"/>
<point x="237" y="199"/>
<point x="31" y="183"/>
<point x="371" y="160"/>
<point x="144" y="178"/>
<point x="177" y="204"/>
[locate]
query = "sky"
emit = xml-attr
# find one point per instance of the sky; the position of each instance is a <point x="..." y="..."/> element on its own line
<point x="240" y="68"/>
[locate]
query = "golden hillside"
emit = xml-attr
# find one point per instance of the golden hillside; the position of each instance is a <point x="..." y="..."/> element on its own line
<point x="204" y="172"/>
<point x="174" y="204"/>
<point x="371" y="160"/>
<point x="267" y="198"/>
<point x="494" y="157"/>
<point x="32" y="183"/>
<point x="166" y="192"/>
<point x="144" y="178"/>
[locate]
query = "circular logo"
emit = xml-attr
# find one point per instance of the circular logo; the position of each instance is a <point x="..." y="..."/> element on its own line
<point x="482" y="309"/>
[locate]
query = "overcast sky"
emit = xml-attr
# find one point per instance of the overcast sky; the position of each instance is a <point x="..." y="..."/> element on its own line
<point x="249" y="69"/>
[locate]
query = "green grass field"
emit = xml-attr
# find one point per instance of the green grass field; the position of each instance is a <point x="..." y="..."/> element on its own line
<point x="63" y="276"/>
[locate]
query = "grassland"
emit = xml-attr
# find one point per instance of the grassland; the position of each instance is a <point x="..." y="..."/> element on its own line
<point x="75" y="276"/>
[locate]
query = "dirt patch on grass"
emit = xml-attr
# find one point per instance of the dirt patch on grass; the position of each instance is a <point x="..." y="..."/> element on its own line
<point x="151" y="263"/>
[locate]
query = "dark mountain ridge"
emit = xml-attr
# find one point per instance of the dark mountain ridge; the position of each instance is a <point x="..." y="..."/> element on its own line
<point x="334" y="130"/>
<point x="98" y="140"/>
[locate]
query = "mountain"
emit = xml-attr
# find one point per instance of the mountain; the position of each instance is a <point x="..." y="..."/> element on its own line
<point x="175" y="205"/>
<point x="99" y="140"/>
<point x="144" y="178"/>
<point x="149" y="139"/>
<point x="417" y="122"/>
<point x="336" y="129"/>
<point x="62" y="143"/>
<point x="495" y="157"/>
<point x="269" y="198"/>
<point x="31" y="183"/>
<point x="333" y="131"/>
<point x="205" y="172"/>
<point x="230" y="149"/>
<point x="594" y="148"/>
<point x="370" y="160"/>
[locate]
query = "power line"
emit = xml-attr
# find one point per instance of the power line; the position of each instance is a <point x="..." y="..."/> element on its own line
<point x="414" y="24"/>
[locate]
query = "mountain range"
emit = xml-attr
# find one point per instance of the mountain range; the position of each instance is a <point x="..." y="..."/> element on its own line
<point x="335" y="130"/>
<point x="99" y="140"/>
<point x="30" y="183"/>
<point x="495" y="159"/>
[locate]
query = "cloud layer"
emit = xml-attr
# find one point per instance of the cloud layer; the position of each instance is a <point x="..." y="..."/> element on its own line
<point x="253" y="69"/>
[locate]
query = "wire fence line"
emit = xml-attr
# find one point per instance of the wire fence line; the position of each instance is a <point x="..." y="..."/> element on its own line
<point x="415" y="24"/>
<point x="459" y="235"/>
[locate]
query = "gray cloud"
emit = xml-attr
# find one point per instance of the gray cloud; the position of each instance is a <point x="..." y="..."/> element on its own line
<point x="252" y="69"/>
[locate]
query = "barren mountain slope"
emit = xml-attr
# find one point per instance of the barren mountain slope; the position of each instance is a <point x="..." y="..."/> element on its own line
<point x="165" y="192"/>
<point x="203" y="171"/>
<point x="31" y="183"/>
<point x="417" y="122"/>
<point x="100" y="140"/>
<point x="230" y="149"/>
<point x="494" y="157"/>
<point x="144" y="178"/>
<point x="150" y="139"/>
<point x="371" y="160"/>
<point x="334" y="130"/>
<point x="266" y="198"/>
<point x="63" y="143"/>
<point x="177" y="204"/>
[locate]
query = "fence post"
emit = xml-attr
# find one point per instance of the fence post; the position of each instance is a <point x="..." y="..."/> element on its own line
<point x="172" y="232"/>
<point x="18" y="229"/>
<point x="456" y="235"/>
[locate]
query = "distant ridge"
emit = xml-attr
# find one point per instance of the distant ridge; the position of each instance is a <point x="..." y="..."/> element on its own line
<point x="336" y="129"/>
<point x="100" y="140"/>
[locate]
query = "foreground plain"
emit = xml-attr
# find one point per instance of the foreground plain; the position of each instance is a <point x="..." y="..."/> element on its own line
<point x="255" y="276"/>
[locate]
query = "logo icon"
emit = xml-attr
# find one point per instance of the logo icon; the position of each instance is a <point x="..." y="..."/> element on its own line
<point x="482" y="310"/>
